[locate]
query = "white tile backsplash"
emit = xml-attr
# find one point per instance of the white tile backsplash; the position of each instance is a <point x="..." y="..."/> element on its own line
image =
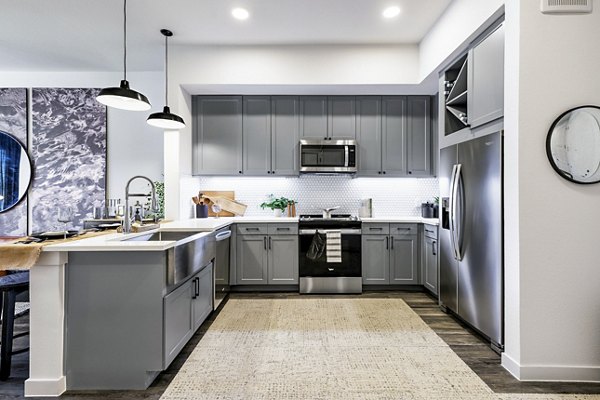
<point x="391" y="196"/>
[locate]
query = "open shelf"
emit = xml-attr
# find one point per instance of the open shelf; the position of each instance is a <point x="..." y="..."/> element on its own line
<point x="458" y="100"/>
<point x="455" y="101"/>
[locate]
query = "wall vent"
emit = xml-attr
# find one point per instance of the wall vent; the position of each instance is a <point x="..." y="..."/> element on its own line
<point x="566" y="6"/>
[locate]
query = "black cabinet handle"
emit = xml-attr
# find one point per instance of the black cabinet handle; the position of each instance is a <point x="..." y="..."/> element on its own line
<point x="265" y="242"/>
<point x="384" y="172"/>
<point x="392" y="242"/>
<point x="409" y="172"/>
<point x="268" y="172"/>
<point x="325" y="138"/>
<point x="387" y="243"/>
<point x="433" y="248"/>
<point x="198" y="286"/>
<point x="283" y="229"/>
<point x="252" y="229"/>
<point x="239" y="172"/>
<point x="379" y="172"/>
<point x="196" y="290"/>
<point x="375" y="229"/>
<point x="269" y="242"/>
<point x="272" y="172"/>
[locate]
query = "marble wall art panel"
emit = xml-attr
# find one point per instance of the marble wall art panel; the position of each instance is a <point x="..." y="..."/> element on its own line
<point x="13" y="120"/>
<point x="69" y="154"/>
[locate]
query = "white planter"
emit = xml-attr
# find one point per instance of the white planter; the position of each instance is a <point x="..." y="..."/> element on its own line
<point x="277" y="212"/>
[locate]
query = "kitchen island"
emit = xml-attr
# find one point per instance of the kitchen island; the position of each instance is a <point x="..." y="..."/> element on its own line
<point x="52" y="298"/>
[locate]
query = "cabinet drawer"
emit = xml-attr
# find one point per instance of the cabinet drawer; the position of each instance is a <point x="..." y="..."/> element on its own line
<point x="252" y="229"/>
<point x="283" y="229"/>
<point x="430" y="231"/>
<point x="375" y="229"/>
<point x="403" y="229"/>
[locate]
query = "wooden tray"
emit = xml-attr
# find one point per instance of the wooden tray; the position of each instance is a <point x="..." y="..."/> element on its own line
<point x="215" y="193"/>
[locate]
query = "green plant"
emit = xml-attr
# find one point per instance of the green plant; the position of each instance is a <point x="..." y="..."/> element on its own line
<point x="276" y="203"/>
<point x="160" y="199"/>
<point x="436" y="200"/>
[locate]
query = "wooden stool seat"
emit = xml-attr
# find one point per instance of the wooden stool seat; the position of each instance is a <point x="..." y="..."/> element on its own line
<point x="10" y="286"/>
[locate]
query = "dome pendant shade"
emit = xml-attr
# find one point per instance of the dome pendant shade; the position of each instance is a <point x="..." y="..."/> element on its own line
<point x="166" y="120"/>
<point x="124" y="98"/>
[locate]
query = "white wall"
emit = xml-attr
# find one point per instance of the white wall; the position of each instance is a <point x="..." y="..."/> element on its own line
<point x="552" y="237"/>
<point x="133" y="146"/>
<point x="461" y="23"/>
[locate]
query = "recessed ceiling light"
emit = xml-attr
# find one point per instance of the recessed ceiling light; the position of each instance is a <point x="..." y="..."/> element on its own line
<point x="391" y="12"/>
<point x="240" y="13"/>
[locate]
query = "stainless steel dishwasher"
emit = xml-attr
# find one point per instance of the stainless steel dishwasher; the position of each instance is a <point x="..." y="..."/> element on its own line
<point x="223" y="238"/>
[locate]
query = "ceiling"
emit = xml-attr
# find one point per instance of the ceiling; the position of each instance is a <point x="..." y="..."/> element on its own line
<point x="87" y="34"/>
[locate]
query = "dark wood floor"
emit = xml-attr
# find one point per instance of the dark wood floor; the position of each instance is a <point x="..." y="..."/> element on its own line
<point x="473" y="350"/>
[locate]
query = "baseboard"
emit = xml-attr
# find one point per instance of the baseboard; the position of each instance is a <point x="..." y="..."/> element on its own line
<point x="45" y="387"/>
<point x="551" y="373"/>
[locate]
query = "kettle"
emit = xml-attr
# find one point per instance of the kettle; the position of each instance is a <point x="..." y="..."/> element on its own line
<point x="327" y="212"/>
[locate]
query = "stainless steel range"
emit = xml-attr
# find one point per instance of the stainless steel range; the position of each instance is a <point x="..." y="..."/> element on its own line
<point x="330" y="254"/>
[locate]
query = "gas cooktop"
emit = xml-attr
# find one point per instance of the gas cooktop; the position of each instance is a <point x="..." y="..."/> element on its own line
<point x="334" y="217"/>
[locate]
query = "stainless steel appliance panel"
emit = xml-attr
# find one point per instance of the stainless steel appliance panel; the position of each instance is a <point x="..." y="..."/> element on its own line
<point x="336" y="156"/>
<point x="324" y="285"/>
<point x="223" y="239"/>
<point x="448" y="263"/>
<point x="480" y="235"/>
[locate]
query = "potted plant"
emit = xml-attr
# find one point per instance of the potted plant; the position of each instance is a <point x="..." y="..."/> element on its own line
<point x="277" y="204"/>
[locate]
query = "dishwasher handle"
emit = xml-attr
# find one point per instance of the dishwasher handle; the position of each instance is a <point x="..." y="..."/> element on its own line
<point x="222" y="235"/>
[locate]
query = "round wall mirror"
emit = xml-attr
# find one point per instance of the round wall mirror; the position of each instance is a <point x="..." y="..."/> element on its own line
<point x="573" y="145"/>
<point x="15" y="171"/>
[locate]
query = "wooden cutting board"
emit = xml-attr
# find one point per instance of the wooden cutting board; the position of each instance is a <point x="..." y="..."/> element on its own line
<point x="215" y="193"/>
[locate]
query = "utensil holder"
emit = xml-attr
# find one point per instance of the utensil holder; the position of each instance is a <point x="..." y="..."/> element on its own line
<point x="201" y="211"/>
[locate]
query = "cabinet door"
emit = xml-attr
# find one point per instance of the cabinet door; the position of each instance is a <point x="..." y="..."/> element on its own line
<point x="394" y="135"/>
<point x="403" y="260"/>
<point x="217" y="138"/>
<point x="202" y="298"/>
<point x="179" y="326"/>
<point x="283" y="259"/>
<point x="251" y="260"/>
<point x="285" y="135"/>
<point x="430" y="267"/>
<point x="313" y="117"/>
<point x="257" y="135"/>
<point x="418" y="135"/>
<point x="342" y="117"/>
<point x="375" y="259"/>
<point x="368" y="135"/>
<point x="486" y="73"/>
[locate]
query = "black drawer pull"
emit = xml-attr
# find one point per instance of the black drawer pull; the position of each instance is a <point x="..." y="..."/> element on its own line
<point x="265" y="242"/>
<point x="283" y="229"/>
<point x="392" y="241"/>
<point x="433" y="248"/>
<point x="252" y="229"/>
<point x="387" y="243"/>
<point x="375" y="229"/>
<point x="428" y="231"/>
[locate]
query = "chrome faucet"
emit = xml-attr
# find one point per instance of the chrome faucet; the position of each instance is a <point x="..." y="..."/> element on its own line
<point x="127" y="217"/>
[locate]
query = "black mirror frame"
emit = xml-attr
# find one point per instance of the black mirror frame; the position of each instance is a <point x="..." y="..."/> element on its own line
<point x="30" y="167"/>
<point x="560" y="172"/>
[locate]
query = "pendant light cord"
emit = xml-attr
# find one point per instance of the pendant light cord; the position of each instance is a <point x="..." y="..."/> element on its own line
<point x="125" y="39"/>
<point x="166" y="70"/>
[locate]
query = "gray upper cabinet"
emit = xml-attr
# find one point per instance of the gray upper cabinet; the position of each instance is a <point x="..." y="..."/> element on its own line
<point x="368" y="135"/>
<point x="283" y="259"/>
<point x="375" y="260"/>
<point x="257" y="135"/>
<point x="217" y="144"/>
<point x="285" y="135"/>
<point x="419" y="136"/>
<point x="341" y="117"/>
<point x="404" y="260"/>
<point x="251" y="262"/>
<point x="394" y="135"/>
<point x="313" y="117"/>
<point x="486" y="74"/>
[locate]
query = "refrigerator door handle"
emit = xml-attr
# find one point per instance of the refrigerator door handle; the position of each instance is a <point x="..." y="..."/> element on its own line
<point x="455" y="228"/>
<point x="451" y="210"/>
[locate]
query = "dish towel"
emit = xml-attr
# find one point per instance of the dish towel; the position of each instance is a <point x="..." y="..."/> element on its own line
<point x="334" y="246"/>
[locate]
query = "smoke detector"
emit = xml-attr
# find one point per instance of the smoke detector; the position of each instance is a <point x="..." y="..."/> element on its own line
<point x="566" y="6"/>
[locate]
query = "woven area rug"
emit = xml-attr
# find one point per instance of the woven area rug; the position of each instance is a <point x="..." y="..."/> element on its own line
<point x="327" y="348"/>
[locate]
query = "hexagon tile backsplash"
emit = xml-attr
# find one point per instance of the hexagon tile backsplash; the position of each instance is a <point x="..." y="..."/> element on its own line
<point x="391" y="196"/>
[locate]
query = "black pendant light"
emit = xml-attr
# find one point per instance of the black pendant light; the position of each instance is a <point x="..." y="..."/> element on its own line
<point x="166" y="119"/>
<point x="123" y="97"/>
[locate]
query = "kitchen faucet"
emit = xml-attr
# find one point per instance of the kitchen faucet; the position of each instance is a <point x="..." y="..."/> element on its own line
<point x="127" y="217"/>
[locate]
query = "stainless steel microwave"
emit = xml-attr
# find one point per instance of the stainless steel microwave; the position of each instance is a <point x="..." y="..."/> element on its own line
<point x="328" y="156"/>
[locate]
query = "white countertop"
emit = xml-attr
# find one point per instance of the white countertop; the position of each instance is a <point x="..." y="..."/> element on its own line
<point x="117" y="242"/>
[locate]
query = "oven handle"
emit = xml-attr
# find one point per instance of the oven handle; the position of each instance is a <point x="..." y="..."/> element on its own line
<point x="342" y="231"/>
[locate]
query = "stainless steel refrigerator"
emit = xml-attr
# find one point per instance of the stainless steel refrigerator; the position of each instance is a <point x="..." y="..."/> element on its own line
<point x="471" y="246"/>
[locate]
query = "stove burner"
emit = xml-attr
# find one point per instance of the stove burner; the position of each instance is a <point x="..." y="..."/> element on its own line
<point x="319" y="217"/>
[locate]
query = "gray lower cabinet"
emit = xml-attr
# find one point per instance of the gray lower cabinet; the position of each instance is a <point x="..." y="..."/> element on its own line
<point x="419" y="148"/>
<point x="390" y="254"/>
<point x="368" y="135"/>
<point x="217" y="135"/>
<point x="313" y="117"/>
<point x="341" y="117"/>
<point x="429" y="258"/>
<point x="202" y="298"/>
<point x="267" y="258"/>
<point x="394" y="135"/>
<point x="486" y="79"/>
<point x="375" y="260"/>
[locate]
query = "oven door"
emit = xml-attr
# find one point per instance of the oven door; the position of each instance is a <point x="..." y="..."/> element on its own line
<point x="351" y="256"/>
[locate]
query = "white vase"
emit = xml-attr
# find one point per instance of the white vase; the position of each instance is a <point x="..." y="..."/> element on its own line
<point x="277" y="212"/>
